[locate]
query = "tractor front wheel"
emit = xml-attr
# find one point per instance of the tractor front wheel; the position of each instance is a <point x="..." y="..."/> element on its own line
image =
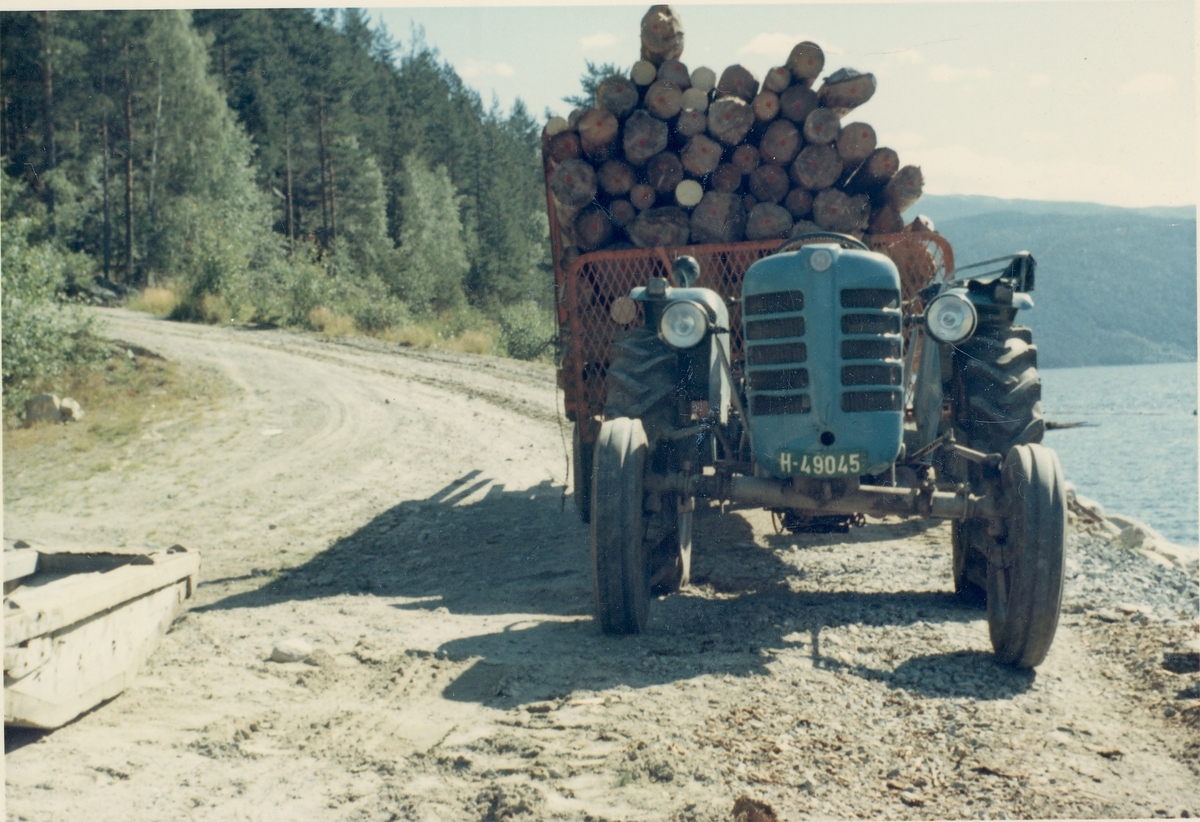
<point x="1025" y="571"/>
<point x="620" y="567"/>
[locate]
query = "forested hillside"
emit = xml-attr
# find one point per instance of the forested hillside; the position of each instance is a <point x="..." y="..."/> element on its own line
<point x="270" y="163"/>
<point x="1114" y="287"/>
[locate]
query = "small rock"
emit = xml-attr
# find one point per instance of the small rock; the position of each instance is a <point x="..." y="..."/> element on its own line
<point x="320" y="658"/>
<point x="70" y="410"/>
<point x="42" y="408"/>
<point x="913" y="800"/>
<point x="291" y="650"/>
<point x="1132" y="537"/>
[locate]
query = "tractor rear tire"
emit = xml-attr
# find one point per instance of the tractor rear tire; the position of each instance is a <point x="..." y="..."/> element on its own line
<point x="642" y="376"/>
<point x="582" y="454"/>
<point x="620" y="567"/>
<point x="1025" y="574"/>
<point x="999" y="403"/>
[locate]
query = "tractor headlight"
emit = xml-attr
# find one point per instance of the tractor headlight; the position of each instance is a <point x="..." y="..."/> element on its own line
<point x="951" y="318"/>
<point x="683" y="325"/>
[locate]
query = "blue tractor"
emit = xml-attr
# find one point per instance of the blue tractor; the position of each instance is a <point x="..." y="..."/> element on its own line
<point x="845" y="406"/>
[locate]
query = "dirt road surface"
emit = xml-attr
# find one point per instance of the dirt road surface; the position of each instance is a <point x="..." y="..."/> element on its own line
<point x="403" y="513"/>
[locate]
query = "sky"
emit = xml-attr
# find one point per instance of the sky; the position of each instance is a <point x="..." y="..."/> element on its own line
<point x="1060" y="100"/>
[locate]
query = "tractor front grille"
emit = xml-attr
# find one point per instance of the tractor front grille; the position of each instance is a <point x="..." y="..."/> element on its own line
<point x="873" y="351"/>
<point x="783" y="379"/>
<point x="772" y="322"/>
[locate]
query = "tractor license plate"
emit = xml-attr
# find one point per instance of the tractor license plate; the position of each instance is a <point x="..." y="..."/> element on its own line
<point x="822" y="464"/>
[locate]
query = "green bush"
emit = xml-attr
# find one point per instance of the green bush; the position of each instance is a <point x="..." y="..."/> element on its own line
<point x="44" y="336"/>
<point x="527" y="330"/>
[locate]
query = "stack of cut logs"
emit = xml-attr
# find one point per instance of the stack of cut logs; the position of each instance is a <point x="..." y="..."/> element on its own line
<point x="671" y="157"/>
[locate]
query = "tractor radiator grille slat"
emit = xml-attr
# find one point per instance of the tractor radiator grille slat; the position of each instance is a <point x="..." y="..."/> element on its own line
<point x="870" y="298"/>
<point x="787" y="379"/>
<point x="779" y="302"/>
<point x="777" y="354"/>
<point x="767" y="404"/>
<point x="853" y="401"/>
<point x="775" y="329"/>
<point x="870" y="324"/>
<point x="870" y="375"/>
<point x="870" y="349"/>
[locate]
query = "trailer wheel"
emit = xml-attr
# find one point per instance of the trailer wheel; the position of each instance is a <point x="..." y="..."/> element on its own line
<point x="1025" y="572"/>
<point x="581" y="463"/>
<point x="620" y="567"/>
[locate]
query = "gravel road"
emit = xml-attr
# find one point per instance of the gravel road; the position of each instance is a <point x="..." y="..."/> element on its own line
<point x="403" y="513"/>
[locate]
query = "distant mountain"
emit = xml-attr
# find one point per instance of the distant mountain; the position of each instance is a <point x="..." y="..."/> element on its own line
<point x="939" y="207"/>
<point x="1114" y="286"/>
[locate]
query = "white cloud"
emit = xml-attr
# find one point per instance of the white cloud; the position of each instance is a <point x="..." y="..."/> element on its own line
<point x="1039" y="80"/>
<point x="942" y="73"/>
<point x="475" y="69"/>
<point x="778" y="45"/>
<point x="599" y="40"/>
<point x="901" y="140"/>
<point x="910" y="56"/>
<point x="1151" y="83"/>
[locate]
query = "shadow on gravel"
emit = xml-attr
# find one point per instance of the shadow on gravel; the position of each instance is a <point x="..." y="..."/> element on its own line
<point x="524" y="553"/>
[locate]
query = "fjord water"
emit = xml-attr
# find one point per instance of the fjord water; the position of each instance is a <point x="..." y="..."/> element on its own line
<point x="1137" y="454"/>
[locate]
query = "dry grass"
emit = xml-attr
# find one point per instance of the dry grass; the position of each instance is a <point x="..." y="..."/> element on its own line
<point x="157" y="301"/>
<point x="414" y="336"/>
<point x="476" y="341"/>
<point x="120" y="402"/>
<point x="326" y="322"/>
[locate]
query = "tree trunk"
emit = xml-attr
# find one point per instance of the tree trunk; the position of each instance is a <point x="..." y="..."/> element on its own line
<point x="48" y="114"/>
<point x="805" y="63"/>
<point x="778" y="79"/>
<point x="905" y="188"/>
<point x="622" y="212"/>
<point x="617" y="94"/>
<point x="768" y="183"/>
<point x="797" y="103"/>
<point x="643" y="73"/>
<point x="645" y="136"/>
<point x="765" y="106"/>
<point x="873" y="175"/>
<point x="780" y="143"/>
<point x="564" y="146"/>
<point x="746" y="158"/>
<point x="688" y="193"/>
<point x="845" y="90"/>
<point x="798" y="202"/>
<point x="593" y="228"/>
<point x="321" y="163"/>
<point x="574" y="183"/>
<point x="737" y="81"/>
<point x="642" y="196"/>
<point x="835" y="211"/>
<point x="821" y="127"/>
<point x="675" y="72"/>
<point x="128" y="171"/>
<point x="664" y="99"/>
<point x="726" y="179"/>
<point x="718" y="218"/>
<point x="615" y="178"/>
<point x="662" y="35"/>
<point x="664" y="171"/>
<point x="104" y="158"/>
<point x="701" y="156"/>
<point x="855" y="143"/>
<point x="153" y="172"/>
<point x="287" y="156"/>
<point x="695" y="99"/>
<point x="729" y="120"/>
<point x="817" y="167"/>
<point x="332" y="200"/>
<point x="691" y="123"/>
<point x="597" y="133"/>
<point x="886" y="220"/>
<point x="768" y="221"/>
<point x="664" y="226"/>
<point x="704" y="79"/>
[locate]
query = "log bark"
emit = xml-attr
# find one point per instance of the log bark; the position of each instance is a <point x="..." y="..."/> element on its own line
<point x="821" y="127"/>
<point x="746" y="158"/>
<point x="797" y="103"/>
<point x="662" y="35"/>
<point x="802" y="227"/>
<point x="574" y="183"/>
<point x="798" y="202"/>
<point x="749" y="201"/>
<point x="676" y="73"/>
<point x="738" y="81"/>
<point x="128" y="279"/>
<point x="778" y="79"/>
<point x="688" y="193"/>
<point x="905" y="188"/>
<point x="780" y="143"/>
<point x="664" y="171"/>
<point x="835" y="211"/>
<point x="695" y="100"/>
<point x="615" y="178"/>
<point x="873" y="174"/>
<point x="702" y="156"/>
<point x="765" y="106"/>
<point x="719" y="218"/>
<point x="691" y="123"/>
<point x="645" y="136"/>
<point x="805" y="62"/>
<point x="593" y="228"/>
<point x="729" y="120"/>
<point x="817" y="167"/>
<point x="555" y="125"/>
<point x="855" y="143"/>
<point x="598" y="133"/>
<point x="663" y="99"/>
<point x="617" y="94"/>
<point x="768" y="221"/>
<point x="642" y="196"/>
<point x="665" y="226"/>
<point x="768" y="183"/>
<point x="564" y="146"/>
<point x="704" y="78"/>
<point x="621" y="212"/>
<point x="574" y="116"/>
<point x="643" y="73"/>
<point x="726" y="179"/>
<point x="886" y="220"/>
<point x="846" y="89"/>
